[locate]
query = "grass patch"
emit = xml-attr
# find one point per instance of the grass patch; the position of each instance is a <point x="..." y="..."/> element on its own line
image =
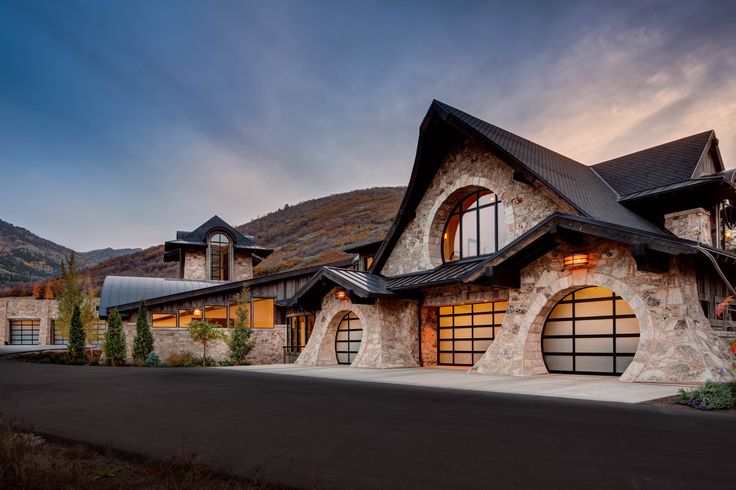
<point x="28" y="461"/>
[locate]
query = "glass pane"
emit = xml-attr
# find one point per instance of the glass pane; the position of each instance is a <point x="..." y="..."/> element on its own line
<point x="464" y="358"/>
<point x="354" y="346"/>
<point x="356" y="334"/>
<point x="232" y="313"/>
<point x="477" y="357"/>
<point x="463" y="320"/>
<point x="451" y="239"/>
<point x="343" y="358"/>
<point x="341" y="335"/>
<point x="593" y="292"/>
<point x="596" y="308"/>
<point x="597" y="364"/>
<point x="563" y="327"/>
<point x="470" y="202"/>
<point x="186" y="315"/>
<point x="445" y="345"/>
<point x="484" y="319"/>
<point x="593" y="327"/>
<point x="500" y="306"/>
<point x="263" y="311"/>
<point x="463" y="309"/>
<point x="445" y="321"/>
<point x="445" y="358"/>
<point x="627" y="325"/>
<point x="623" y="308"/>
<point x="557" y="345"/>
<point x="503" y="236"/>
<point x="445" y="310"/>
<point x="482" y="307"/>
<point x="486" y="198"/>
<point x="445" y="333"/>
<point x="163" y="320"/>
<point x="558" y="363"/>
<point x="627" y="345"/>
<point x="483" y="333"/>
<point x="481" y="345"/>
<point x="602" y="345"/>
<point x="216" y="314"/>
<point x="463" y="333"/>
<point x="487" y="231"/>
<point x="561" y="311"/>
<point x="464" y="345"/>
<point x="470" y="235"/>
<point x="498" y="318"/>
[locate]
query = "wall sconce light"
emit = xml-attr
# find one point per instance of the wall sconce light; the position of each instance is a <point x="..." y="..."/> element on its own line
<point x="197" y="312"/>
<point x="576" y="261"/>
<point x="341" y="295"/>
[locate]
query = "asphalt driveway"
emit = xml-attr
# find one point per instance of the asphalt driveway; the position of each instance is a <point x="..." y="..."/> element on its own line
<point x="326" y="433"/>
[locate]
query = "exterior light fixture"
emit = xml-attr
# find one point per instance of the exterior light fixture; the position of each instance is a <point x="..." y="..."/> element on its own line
<point x="576" y="261"/>
<point x="341" y="295"/>
<point x="197" y="311"/>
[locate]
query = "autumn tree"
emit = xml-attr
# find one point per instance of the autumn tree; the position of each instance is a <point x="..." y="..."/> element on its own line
<point x="37" y="291"/>
<point x="48" y="292"/>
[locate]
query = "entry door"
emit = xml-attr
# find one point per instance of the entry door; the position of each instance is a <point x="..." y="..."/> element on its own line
<point x="24" y="332"/>
<point x="348" y="338"/>
<point x="591" y="331"/>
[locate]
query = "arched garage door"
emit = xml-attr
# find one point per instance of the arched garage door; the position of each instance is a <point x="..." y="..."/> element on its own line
<point x="348" y="338"/>
<point x="590" y="331"/>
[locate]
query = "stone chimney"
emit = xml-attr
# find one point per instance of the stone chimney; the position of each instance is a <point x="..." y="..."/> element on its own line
<point x="692" y="224"/>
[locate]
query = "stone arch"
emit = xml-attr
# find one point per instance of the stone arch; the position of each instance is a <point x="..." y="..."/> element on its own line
<point x="526" y="327"/>
<point x="446" y="202"/>
<point x="320" y="349"/>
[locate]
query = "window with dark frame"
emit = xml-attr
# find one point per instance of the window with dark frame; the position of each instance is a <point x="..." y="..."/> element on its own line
<point x="464" y="332"/>
<point x="473" y="227"/>
<point x="219" y="252"/>
<point x="299" y="330"/>
<point x="590" y="331"/>
<point x="348" y="337"/>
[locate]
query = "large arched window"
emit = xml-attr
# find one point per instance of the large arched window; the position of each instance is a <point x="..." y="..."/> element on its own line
<point x="476" y="227"/>
<point x="219" y="253"/>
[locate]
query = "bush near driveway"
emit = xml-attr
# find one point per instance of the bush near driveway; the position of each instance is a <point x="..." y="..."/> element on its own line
<point x="710" y="396"/>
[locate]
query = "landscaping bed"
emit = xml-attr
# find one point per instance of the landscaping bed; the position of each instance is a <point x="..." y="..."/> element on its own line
<point x="28" y="460"/>
<point x="710" y="396"/>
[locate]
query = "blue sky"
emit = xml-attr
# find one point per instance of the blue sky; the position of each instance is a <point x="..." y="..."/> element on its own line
<point x="122" y="121"/>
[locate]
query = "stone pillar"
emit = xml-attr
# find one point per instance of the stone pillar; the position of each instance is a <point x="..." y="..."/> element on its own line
<point x="693" y="224"/>
<point x="3" y="321"/>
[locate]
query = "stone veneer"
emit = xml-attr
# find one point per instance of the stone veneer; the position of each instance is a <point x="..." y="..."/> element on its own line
<point x="167" y="341"/>
<point x="195" y="267"/>
<point x="677" y="344"/>
<point x="693" y="224"/>
<point x="27" y="308"/>
<point x="242" y="266"/>
<point x="390" y="335"/>
<point x="467" y="167"/>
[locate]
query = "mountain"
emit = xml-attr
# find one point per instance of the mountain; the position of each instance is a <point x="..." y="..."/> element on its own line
<point x="26" y="257"/>
<point x="304" y="234"/>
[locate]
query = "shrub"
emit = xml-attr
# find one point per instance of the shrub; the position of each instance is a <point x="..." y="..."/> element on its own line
<point x="186" y="359"/>
<point x="143" y="341"/>
<point x="709" y="396"/>
<point x="77" y="336"/>
<point x="153" y="360"/>
<point x="115" y="339"/>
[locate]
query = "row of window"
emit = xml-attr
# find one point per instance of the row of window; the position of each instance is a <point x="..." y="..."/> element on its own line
<point x="225" y="316"/>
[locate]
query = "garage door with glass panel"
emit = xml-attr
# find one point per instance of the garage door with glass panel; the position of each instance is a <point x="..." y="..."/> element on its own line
<point x="466" y="331"/>
<point x="590" y="331"/>
<point x="348" y="338"/>
<point x="24" y="332"/>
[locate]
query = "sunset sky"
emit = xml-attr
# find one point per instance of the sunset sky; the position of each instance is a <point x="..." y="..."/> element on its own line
<point x="122" y="121"/>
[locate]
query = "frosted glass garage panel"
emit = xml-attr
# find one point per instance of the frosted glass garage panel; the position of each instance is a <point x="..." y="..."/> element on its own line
<point x="596" y="364"/>
<point x="343" y="358"/>
<point x="483" y="307"/>
<point x="342" y="335"/>
<point x="557" y="345"/>
<point x="460" y="309"/>
<point x="445" y="333"/>
<point x="463" y="333"/>
<point x="481" y="345"/>
<point x="563" y="327"/>
<point x="445" y="321"/>
<point x="483" y="319"/>
<point x="598" y="345"/>
<point x="463" y="358"/>
<point x="445" y="310"/>
<point x="591" y="327"/>
<point x="558" y="363"/>
<point x="464" y="321"/>
<point x="354" y="346"/>
<point x="561" y="311"/>
<point x="445" y="358"/>
<point x="593" y="293"/>
<point x="623" y="308"/>
<point x="596" y="308"/>
<point x="498" y="318"/>
<point x="477" y="357"/>
<point x="483" y="332"/>
<point x="446" y="345"/>
<point x="627" y="325"/>
<point x="463" y="345"/>
<point x="627" y="344"/>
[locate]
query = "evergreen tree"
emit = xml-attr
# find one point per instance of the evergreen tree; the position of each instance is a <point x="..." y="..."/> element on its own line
<point x="143" y="341"/>
<point x="115" y="348"/>
<point x="240" y="343"/>
<point x="77" y="337"/>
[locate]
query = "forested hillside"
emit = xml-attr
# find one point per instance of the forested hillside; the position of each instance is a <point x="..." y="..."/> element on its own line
<point x="304" y="234"/>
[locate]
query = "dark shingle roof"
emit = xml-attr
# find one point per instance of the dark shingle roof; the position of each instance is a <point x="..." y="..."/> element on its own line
<point x="450" y="272"/>
<point x="659" y="166"/>
<point x="365" y="282"/>
<point x="121" y="290"/>
<point x="198" y="237"/>
<point x="575" y="182"/>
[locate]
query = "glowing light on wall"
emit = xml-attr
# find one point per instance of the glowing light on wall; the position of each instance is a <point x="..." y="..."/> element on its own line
<point x="576" y="261"/>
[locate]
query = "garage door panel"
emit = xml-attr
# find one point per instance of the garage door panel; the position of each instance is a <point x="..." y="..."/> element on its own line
<point x="594" y="320"/>
<point x="348" y="339"/>
<point x="472" y="327"/>
<point x="24" y="332"/>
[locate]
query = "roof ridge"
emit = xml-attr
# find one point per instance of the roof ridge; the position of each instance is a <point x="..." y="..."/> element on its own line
<point x="653" y="147"/>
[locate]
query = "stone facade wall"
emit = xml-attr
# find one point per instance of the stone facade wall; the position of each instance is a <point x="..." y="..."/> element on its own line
<point x="468" y="167"/>
<point x="167" y="341"/>
<point x="693" y="224"/>
<point x="676" y="345"/>
<point x="461" y="294"/>
<point x="27" y="308"/>
<point x="242" y="266"/>
<point x="429" y="336"/>
<point x="390" y="333"/>
<point x="195" y="264"/>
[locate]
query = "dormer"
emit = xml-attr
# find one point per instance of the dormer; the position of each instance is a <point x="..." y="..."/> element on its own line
<point x="215" y="251"/>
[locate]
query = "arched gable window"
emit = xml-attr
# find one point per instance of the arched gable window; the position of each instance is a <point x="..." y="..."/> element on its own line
<point x="475" y="227"/>
<point x="219" y="255"/>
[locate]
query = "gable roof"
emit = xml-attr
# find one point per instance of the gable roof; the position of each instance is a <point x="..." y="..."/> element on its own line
<point x="660" y="166"/>
<point x="198" y="237"/>
<point x="574" y="182"/>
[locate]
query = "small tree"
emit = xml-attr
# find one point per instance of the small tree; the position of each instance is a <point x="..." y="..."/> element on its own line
<point x="115" y="339"/>
<point x="205" y="332"/>
<point x="241" y="343"/>
<point x="71" y="295"/>
<point x="143" y="341"/>
<point x="77" y="336"/>
<point x="37" y="291"/>
<point x="48" y="292"/>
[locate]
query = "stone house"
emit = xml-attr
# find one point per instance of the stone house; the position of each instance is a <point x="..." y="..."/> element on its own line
<point x="508" y="258"/>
